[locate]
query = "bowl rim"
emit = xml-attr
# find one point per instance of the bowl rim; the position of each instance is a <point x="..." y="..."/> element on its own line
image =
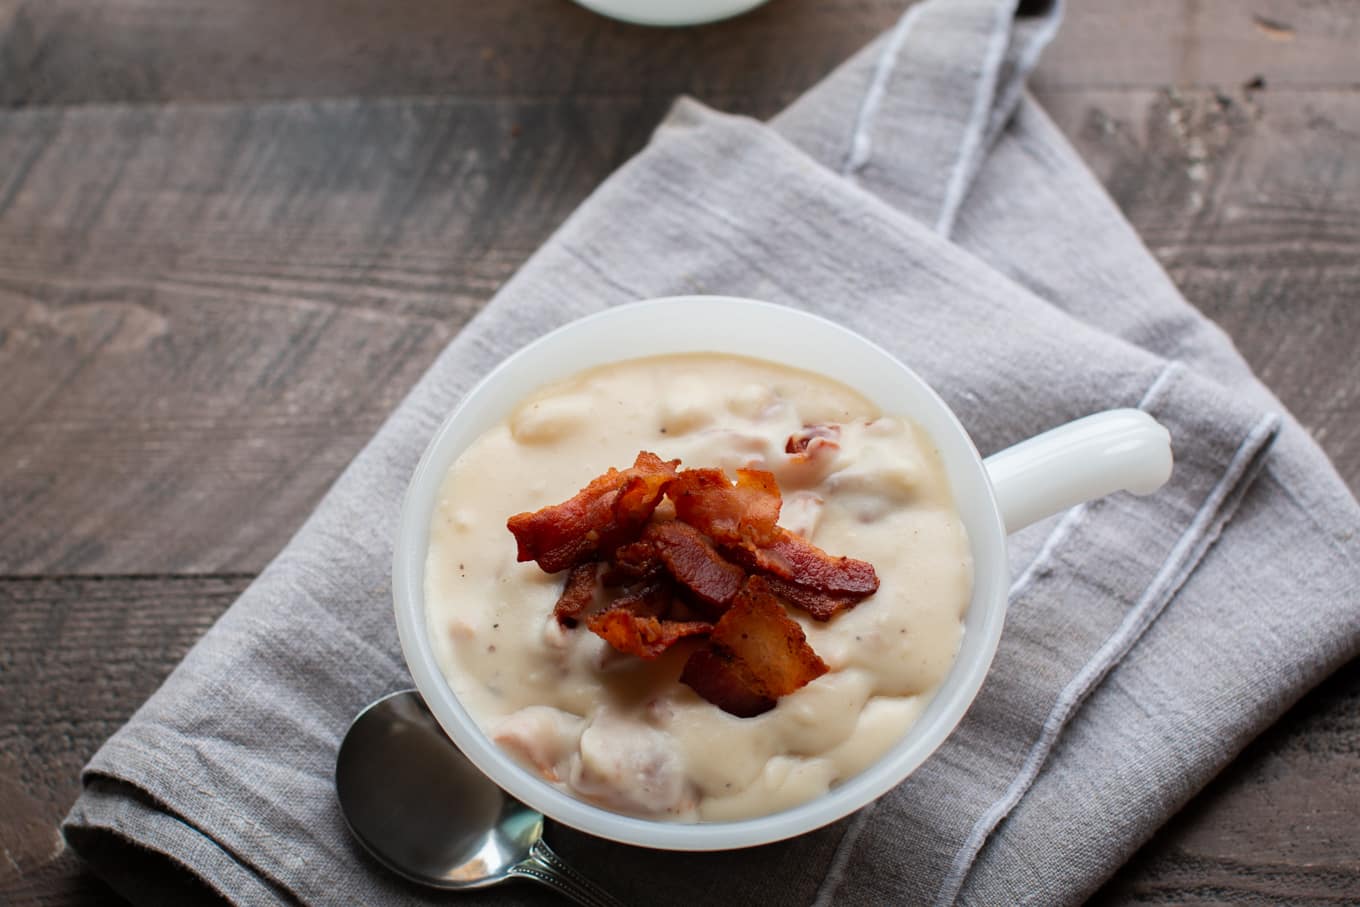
<point x="968" y="478"/>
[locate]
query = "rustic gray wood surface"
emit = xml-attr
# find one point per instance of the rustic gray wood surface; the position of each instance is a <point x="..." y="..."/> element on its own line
<point x="233" y="234"/>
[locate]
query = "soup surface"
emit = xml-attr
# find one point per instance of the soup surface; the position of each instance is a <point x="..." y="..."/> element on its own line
<point x="624" y="733"/>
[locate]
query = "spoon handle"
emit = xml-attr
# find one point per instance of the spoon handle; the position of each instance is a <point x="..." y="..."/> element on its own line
<point x="547" y="868"/>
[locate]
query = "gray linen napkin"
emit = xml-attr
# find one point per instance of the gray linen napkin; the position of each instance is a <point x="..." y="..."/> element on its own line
<point x="919" y="197"/>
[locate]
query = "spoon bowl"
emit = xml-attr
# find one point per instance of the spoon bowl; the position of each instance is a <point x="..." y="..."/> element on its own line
<point x="416" y="803"/>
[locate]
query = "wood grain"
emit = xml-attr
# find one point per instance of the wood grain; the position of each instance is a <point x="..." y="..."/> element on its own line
<point x="226" y="304"/>
<point x="76" y="52"/>
<point x="232" y="236"/>
<point x="1251" y="201"/>
<point x="1205" y="44"/>
<point x="245" y="291"/>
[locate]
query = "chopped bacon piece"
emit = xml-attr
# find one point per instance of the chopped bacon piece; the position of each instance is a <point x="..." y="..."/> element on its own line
<point x="797" y="560"/>
<point x="643" y="490"/>
<point x="759" y="492"/>
<point x="608" y="512"/>
<point x="634" y="561"/>
<point x="651" y="599"/>
<point x="759" y="631"/>
<point x="577" y="595"/>
<point x="633" y="624"/>
<point x="755" y="654"/>
<point x="690" y="568"/>
<point x="805" y="442"/>
<point x="706" y="500"/>
<point x="643" y="636"/>
<point x="688" y="606"/>
<point x="719" y="677"/>
<point x="818" y="604"/>
<point x="691" y="558"/>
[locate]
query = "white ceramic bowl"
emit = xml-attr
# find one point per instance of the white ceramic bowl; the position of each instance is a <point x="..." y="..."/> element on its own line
<point x="670" y="12"/>
<point x="1085" y="459"/>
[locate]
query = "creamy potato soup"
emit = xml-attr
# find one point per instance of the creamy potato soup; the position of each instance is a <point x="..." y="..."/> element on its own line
<point x="624" y="733"/>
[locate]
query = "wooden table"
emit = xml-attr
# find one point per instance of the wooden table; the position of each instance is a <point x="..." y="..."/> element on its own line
<point x="232" y="234"/>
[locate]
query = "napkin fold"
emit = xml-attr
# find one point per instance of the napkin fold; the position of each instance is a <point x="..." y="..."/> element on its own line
<point x="917" y="195"/>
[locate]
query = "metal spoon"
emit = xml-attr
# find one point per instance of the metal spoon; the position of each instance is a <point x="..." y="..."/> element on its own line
<point x="416" y="803"/>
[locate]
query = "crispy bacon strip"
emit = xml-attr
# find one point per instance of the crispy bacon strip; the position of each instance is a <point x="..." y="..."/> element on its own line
<point x="645" y="637"/>
<point x="577" y="595"/>
<point x="693" y="567"/>
<point x="634" y="624"/>
<point x="755" y="654"/>
<point x="651" y="599"/>
<point x="793" y="558"/>
<point x="759" y="491"/>
<point x="687" y="606"/>
<point x="608" y="512"/>
<point x="727" y="513"/>
<point x="721" y="678"/>
<point x="634" y="561"/>
<point x="704" y="499"/>
<point x="691" y="558"/>
<point x="818" y="604"/>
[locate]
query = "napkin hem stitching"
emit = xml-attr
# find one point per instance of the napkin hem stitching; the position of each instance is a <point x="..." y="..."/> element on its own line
<point x="835" y="871"/>
<point x="861" y="147"/>
<point x="1024" y="65"/>
<point x="978" y="118"/>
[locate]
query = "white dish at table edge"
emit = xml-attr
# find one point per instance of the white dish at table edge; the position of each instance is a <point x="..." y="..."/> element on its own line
<point x="670" y="12"/>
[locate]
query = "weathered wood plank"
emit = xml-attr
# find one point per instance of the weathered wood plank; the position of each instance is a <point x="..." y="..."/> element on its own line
<point x="74" y="52"/>
<point x="224" y="304"/>
<point x="209" y="310"/>
<point x="1204" y="43"/>
<point x="64" y="882"/>
<point x="1251" y="200"/>
<point x="70" y="52"/>
<point x="79" y="656"/>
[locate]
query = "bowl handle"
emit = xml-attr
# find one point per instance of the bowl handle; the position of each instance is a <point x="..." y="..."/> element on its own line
<point x="1117" y="450"/>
